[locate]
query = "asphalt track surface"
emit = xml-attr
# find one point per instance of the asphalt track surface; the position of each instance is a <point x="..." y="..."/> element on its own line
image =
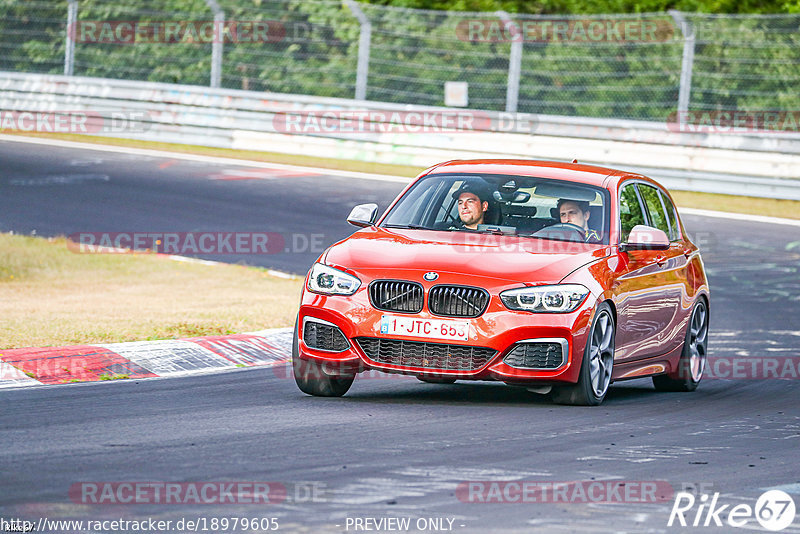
<point x="392" y="447"/>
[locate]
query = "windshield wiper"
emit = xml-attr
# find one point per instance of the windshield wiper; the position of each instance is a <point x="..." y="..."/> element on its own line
<point x="406" y="226"/>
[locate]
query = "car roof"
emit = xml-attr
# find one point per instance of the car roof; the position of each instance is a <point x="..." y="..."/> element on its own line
<point x="574" y="172"/>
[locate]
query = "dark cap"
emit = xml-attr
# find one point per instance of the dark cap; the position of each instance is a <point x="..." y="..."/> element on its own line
<point x="476" y="188"/>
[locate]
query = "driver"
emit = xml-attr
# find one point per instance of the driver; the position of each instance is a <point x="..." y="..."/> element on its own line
<point x="473" y="204"/>
<point x="577" y="212"/>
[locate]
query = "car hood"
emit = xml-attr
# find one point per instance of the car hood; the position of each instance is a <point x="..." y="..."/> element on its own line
<point x="378" y="252"/>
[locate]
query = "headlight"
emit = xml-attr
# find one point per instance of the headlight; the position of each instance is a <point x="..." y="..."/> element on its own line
<point x="330" y="281"/>
<point x="548" y="299"/>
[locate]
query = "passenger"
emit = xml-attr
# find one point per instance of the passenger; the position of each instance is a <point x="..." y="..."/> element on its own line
<point x="577" y="212"/>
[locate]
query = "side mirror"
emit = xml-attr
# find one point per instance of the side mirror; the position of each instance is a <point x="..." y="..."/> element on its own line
<point x="363" y="215"/>
<point x="646" y="238"/>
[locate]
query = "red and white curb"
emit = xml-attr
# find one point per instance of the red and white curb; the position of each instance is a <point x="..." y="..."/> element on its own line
<point x="143" y="359"/>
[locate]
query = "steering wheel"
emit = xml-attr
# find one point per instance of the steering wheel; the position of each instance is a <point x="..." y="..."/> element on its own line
<point x="565" y="226"/>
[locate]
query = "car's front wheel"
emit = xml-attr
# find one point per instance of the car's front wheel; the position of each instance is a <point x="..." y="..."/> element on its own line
<point x="693" y="358"/>
<point x="597" y="366"/>
<point x="313" y="378"/>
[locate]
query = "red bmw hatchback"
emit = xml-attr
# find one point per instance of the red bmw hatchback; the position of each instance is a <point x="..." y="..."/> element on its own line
<point x="558" y="277"/>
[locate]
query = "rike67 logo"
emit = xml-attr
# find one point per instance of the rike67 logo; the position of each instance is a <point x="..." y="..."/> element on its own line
<point x="774" y="510"/>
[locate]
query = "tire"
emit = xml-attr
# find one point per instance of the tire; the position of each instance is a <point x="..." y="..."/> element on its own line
<point x="694" y="354"/>
<point x="597" y="366"/>
<point x="436" y="380"/>
<point x="313" y="379"/>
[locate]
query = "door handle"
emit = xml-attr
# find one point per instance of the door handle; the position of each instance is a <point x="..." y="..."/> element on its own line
<point x="661" y="260"/>
<point x="687" y="252"/>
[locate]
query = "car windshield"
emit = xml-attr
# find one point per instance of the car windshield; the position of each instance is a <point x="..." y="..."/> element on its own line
<point x="504" y="204"/>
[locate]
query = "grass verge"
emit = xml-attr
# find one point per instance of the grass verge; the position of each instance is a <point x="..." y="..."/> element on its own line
<point x="789" y="209"/>
<point x="51" y="296"/>
<point x="770" y="207"/>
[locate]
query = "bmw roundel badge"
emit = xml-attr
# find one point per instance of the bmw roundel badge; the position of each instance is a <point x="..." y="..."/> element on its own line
<point x="430" y="276"/>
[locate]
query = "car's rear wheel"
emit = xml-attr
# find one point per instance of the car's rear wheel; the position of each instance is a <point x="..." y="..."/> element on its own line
<point x="315" y="378"/>
<point x="597" y="366"/>
<point x="693" y="358"/>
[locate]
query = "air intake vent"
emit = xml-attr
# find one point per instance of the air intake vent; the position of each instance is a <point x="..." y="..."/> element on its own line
<point x="457" y="301"/>
<point x="425" y="355"/>
<point x="323" y="336"/>
<point x="396" y="295"/>
<point x="539" y="355"/>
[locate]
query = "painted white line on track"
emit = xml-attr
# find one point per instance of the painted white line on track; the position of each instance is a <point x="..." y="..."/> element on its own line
<point x="270" y="331"/>
<point x="271" y="272"/>
<point x="281" y="274"/>
<point x="184" y="259"/>
<point x="264" y="173"/>
<point x="195" y="372"/>
<point x="31" y="383"/>
<point x="10" y="376"/>
<point x="739" y="216"/>
<point x="203" y="159"/>
<point x="330" y="172"/>
<point x="788" y="488"/>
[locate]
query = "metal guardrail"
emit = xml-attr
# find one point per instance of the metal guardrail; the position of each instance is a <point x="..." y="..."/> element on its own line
<point x="765" y="165"/>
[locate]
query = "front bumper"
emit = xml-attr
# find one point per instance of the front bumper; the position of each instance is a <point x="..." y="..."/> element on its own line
<point x="498" y="329"/>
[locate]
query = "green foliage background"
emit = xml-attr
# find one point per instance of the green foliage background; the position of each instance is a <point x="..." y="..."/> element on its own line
<point x="746" y="61"/>
<point x="582" y="7"/>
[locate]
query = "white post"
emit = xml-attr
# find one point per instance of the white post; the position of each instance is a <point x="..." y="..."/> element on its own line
<point x="514" y="61"/>
<point x="72" y="35"/>
<point x="364" y="40"/>
<point x="217" y="44"/>
<point x="687" y="62"/>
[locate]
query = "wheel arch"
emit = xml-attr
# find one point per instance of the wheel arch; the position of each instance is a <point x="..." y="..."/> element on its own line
<point x="613" y="307"/>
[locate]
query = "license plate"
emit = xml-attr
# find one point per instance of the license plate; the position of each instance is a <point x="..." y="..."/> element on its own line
<point x="428" y="328"/>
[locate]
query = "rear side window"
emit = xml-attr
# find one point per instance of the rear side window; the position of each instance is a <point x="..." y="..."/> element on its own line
<point x="630" y="211"/>
<point x="655" y="209"/>
<point x="675" y="232"/>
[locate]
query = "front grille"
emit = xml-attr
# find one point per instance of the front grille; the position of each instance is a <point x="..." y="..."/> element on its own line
<point x="324" y="337"/>
<point x="396" y="295"/>
<point x="457" y="301"/>
<point x="425" y="355"/>
<point x="540" y="355"/>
